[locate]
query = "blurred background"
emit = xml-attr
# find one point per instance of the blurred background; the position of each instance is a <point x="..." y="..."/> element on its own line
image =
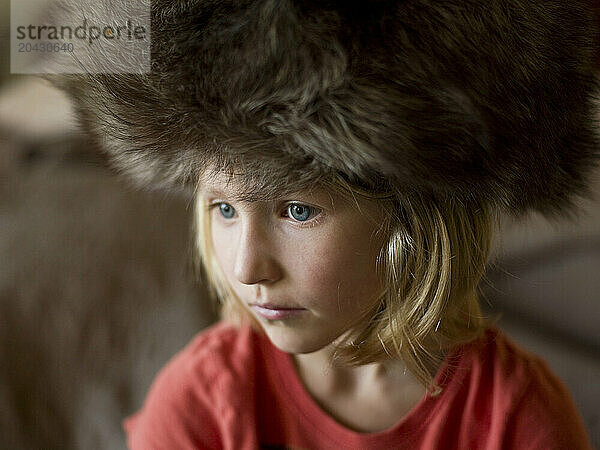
<point x="97" y="289"/>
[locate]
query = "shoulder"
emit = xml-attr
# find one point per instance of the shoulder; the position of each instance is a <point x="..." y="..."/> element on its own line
<point x="496" y="358"/>
<point x="509" y="362"/>
<point x="504" y="367"/>
<point x="222" y="346"/>
<point x="526" y="400"/>
<point x="196" y="390"/>
<point x="217" y="354"/>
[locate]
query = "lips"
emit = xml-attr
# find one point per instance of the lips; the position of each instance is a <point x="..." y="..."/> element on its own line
<point x="274" y="312"/>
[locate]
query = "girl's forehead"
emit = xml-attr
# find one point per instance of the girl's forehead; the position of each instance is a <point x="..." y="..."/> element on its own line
<point x="231" y="189"/>
<point x="252" y="187"/>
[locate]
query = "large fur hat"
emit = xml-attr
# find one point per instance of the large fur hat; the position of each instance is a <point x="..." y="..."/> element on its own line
<point x="485" y="100"/>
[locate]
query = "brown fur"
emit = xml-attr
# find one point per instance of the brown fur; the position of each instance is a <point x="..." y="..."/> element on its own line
<point x="490" y="100"/>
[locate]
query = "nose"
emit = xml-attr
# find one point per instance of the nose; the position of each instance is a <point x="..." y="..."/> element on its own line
<point x="256" y="256"/>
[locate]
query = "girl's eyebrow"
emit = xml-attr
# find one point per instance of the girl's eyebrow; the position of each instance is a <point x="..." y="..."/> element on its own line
<point x="214" y="191"/>
<point x="222" y="194"/>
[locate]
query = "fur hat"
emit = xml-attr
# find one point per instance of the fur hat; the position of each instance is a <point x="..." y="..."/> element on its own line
<point x="482" y="100"/>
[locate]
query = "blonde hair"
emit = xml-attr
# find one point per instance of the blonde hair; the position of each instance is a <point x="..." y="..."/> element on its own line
<point x="432" y="262"/>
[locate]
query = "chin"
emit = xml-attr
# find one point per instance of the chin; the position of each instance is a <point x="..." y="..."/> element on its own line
<point x="295" y="341"/>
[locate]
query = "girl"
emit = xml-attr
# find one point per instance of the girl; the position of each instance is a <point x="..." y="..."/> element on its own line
<point x="348" y="161"/>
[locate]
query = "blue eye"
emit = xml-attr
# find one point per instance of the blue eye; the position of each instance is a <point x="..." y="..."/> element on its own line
<point x="298" y="212"/>
<point x="226" y="210"/>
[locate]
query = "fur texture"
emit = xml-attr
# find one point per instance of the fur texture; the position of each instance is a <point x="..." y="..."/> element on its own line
<point x="491" y="101"/>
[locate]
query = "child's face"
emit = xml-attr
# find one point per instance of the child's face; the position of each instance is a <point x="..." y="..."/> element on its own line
<point x="303" y="266"/>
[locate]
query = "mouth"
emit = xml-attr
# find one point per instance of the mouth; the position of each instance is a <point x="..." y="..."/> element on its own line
<point x="275" y="312"/>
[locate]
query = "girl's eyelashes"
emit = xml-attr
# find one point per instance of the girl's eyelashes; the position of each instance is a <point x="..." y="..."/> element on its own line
<point x="225" y="209"/>
<point x="297" y="212"/>
<point x="300" y="212"/>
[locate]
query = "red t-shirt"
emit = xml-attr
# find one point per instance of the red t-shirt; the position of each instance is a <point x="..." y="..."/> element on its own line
<point x="231" y="388"/>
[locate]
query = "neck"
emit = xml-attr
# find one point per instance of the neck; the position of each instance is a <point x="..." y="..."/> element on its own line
<point x="320" y="368"/>
<point x="368" y="398"/>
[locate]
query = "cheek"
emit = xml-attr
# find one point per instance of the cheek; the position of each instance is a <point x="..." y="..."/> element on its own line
<point x="342" y="273"/>
<point x="223" y="244"/>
